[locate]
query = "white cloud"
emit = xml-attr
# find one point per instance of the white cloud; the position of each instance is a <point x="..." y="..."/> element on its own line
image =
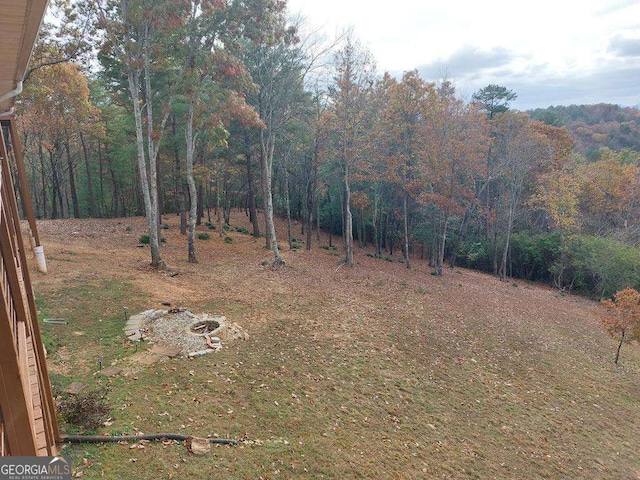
<point x="550" y="49"/>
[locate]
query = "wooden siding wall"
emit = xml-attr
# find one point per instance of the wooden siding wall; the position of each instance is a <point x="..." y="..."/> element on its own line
<point x="28" y="424"/>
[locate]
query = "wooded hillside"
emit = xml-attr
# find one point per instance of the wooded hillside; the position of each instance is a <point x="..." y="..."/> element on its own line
<point x="194" y="108"/>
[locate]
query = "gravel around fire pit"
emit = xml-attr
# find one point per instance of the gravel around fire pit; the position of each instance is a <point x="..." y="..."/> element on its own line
<point x="174" y="329"/>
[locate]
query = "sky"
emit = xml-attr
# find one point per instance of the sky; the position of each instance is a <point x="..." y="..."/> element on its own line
<point x="549" y="52"/>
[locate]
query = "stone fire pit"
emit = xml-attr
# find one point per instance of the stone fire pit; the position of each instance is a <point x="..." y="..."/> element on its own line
<point x="193" y="334"/>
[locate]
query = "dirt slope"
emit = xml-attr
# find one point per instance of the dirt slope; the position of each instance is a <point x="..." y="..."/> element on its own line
<point x="375" y="371"/>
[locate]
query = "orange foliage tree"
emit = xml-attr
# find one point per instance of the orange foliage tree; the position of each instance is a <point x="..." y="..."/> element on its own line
<point x="458" y="143"/>
<point x="409" y="102"/>
<point x="609" y="196"/>
<point x="622" y="317"/>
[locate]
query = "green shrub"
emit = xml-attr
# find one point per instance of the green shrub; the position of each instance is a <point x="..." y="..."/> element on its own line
<point x="597" y="266"/>
<point x="475" y="254"/>
<point x="242" y="230"/>
<point x="165" y="226"/>
<point x="295" y="246"/>
<point x="532" y="256"/>
<point x="144" y="239"/>
<point x="203" y="236"/>
<point x="228" y="240"/>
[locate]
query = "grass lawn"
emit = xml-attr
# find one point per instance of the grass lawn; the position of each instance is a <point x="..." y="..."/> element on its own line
<point x="375" y="371"/>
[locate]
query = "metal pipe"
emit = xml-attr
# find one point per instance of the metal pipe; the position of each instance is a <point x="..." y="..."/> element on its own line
<point x="135" y="438"/>
<point x="12" y="93"/>
<point x="8" y="113"/>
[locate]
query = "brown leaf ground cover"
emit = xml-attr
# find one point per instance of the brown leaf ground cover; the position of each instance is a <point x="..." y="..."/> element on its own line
<point x="375" y="371"/>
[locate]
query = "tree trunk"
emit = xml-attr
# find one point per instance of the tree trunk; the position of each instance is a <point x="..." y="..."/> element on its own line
<point x="311" y="196"/>
<point x="495" y="249"/>
<point x="179" y="188"/>
<point x="376" y="223"/>
<point x="209" y="201"/>
<point x="361" y="230"/>
<point x="443" y="239"/>
<point x="148" y="185"/>
<point x="348" y="219"/>
<point x="200" y="204"/>
<point x="405" y="214"/>
<point x="193" y="207"/>
<point x="101" y="178"/>
<point x="219" y="207"/>
<point x="43" y="179"/>
<point x="317" y="220"/>
<point x="253" y="210"/>
<point x="91" y="204"/>
<point x="115" y="199"/>
<point x="328" y="200"/>
<point x="433" y="253"/>
<point x="72" y="181"/>
<point x="503" y="265"/>
<point x="287" y="199"/>
<point x="618" y="350"/>
<point x="226" y="201"/>
<point x="266" y="163"/>
<point x="153" y="145"/>
<point x="310" y="208"/>
<point x="56" y="196"/>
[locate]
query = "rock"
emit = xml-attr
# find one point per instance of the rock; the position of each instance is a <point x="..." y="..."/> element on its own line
<point x="133" y="335"/>
<point x="74" y="388"/>
<point x="136" y="319"/>
<point x="198" y="446"/>
<point x="110" y="371"/>
<point x="200" y="353"/>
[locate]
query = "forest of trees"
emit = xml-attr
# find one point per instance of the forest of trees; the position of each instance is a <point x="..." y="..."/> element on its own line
<point x="193" y="108"/>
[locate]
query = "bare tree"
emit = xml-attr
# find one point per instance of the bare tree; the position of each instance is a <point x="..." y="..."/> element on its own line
<point x="353" y="82"/>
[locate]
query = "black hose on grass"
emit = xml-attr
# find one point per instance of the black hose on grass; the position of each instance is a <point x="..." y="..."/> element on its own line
<point x="130" y="438"/>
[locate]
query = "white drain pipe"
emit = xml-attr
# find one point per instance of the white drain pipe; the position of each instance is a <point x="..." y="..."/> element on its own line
<point x="12" y="93"/>
<point x="41" y="262"/>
